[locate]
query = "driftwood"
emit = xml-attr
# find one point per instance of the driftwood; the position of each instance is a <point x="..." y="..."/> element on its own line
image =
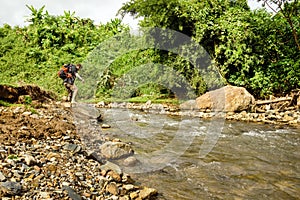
<point x="261" y="102"/>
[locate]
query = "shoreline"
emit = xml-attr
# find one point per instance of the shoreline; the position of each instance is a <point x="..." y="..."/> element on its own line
<point x="290" y="116"/>
<point x="39" y="144"/>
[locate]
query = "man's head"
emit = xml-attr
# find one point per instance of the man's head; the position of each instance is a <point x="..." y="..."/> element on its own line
<point x="78" y="66"/>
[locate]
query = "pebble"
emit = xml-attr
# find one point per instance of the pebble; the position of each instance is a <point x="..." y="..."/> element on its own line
<point x="29" y="160"/>
<point x="112" y="188"/>
<point x="2" y="177"/>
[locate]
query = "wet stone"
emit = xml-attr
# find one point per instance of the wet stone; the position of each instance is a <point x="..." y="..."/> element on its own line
<point x="115" y="150"/>
<point x="147" y="193"/>
<point x="130" y="161"/>
<point x="105" y="126"/>
<point x="111" y="166"/>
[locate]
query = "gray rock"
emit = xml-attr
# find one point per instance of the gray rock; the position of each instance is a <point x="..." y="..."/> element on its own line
<point x="130" y="161"/>
<point x="72" y="147"/>
<point x="93" y="155"/>
<point x="11" y="188"/>
<point x="72" y="194"/>
<point x="111" y="166"/>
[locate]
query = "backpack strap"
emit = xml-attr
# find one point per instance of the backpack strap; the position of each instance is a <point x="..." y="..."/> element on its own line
<point x="73" y="70"/>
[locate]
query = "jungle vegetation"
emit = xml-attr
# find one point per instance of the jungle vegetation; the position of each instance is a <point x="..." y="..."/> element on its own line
<point x="255" y="49"/>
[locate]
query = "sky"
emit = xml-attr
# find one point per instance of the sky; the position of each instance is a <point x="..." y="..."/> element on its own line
<point x="15" y="12"/>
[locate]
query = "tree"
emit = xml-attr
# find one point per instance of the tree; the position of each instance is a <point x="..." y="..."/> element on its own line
<point x="290" y="10"/>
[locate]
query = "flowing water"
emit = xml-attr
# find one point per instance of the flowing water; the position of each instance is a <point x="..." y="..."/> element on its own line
<point x="247" y="161"/>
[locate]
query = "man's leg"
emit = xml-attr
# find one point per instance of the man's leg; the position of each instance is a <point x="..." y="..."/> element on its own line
<point x="69" y="89"/>
<point x="74" y="90"/>
<point x="69" y="96"/>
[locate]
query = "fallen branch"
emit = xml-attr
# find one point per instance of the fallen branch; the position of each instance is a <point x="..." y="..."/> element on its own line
<point x="260" y="102"/>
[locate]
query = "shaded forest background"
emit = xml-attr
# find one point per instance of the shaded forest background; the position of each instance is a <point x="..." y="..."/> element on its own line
<point x="254" y="49"/>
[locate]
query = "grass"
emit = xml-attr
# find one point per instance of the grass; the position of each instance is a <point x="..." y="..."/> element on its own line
<point x="5" y="103"/>
<point x="28" y="107"/>
<point x="139" y="99"/>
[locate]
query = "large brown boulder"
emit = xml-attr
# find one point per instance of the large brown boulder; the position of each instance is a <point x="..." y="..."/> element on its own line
<point x="228" y="99"/>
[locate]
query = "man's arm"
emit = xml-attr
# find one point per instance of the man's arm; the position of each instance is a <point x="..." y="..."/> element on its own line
<point x="78" y="76"/>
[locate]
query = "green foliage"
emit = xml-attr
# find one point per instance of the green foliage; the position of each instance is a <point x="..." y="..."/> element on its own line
<point x="33" y="54"/>
<point x="288" y="10"/>
<point x="12" y="157"/>
<point x="4" y="103"/>
<point x="253" y="49"/>
<point x="28" y="100"/>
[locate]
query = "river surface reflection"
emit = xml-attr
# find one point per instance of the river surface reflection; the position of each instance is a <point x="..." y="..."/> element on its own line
<point x="248" y="161"/>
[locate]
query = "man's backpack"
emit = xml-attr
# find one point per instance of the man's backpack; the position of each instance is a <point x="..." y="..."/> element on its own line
<point x="65" y="71"/>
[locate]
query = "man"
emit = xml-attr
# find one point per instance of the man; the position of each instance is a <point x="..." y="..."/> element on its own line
<point x="69" y="82"/>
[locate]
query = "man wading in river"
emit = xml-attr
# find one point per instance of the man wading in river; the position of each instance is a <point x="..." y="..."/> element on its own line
<point x="69" y="73"/>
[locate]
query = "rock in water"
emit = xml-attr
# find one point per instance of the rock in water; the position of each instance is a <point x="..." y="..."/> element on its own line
<point x="100" y="118"/>
<point x="85" y="111"/>
<point x="115" y="150"/>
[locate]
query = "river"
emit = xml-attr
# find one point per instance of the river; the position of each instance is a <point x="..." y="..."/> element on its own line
<point x="245" y="161"/>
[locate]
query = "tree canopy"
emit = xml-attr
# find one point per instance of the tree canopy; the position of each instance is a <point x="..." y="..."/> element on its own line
<point x="255" y="49"/>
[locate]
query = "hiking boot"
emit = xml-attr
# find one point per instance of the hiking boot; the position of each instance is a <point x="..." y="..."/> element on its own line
<point x="73" y="104"/>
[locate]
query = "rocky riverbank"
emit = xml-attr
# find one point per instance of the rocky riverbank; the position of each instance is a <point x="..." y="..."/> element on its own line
<point x="267" y="115"/>
<point x="42" y="157"/>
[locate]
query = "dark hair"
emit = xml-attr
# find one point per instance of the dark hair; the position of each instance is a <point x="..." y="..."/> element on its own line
<point x="79" y="65"/>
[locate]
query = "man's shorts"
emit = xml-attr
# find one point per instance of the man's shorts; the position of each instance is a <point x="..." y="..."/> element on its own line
<point x="69" y="86"/>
